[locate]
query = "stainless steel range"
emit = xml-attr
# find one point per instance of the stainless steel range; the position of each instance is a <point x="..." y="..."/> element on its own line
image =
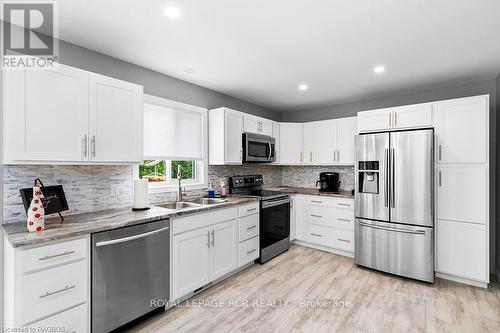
<point x="274" y="214"/>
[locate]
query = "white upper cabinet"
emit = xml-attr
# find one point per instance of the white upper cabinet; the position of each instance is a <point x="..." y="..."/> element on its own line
<point x="115" y="123"/>
<point x="325" y="139"/>
<point x="291" y="143"/>
<point x="68" y="115"/>
<point x="276" y="136"/>
<point x="257" y="125"/>
<point x="462" y="130"/>
<point x="308" y="143"/>
<point x="410" y="116"/>
<point x="225" y="136"/>
<point x="347" y="130"/>
<point x="46" y="115"/>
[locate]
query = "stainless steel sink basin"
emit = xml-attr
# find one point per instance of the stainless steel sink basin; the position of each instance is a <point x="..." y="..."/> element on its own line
<point x="212" y="201"/>
<point x="179" y="205"/>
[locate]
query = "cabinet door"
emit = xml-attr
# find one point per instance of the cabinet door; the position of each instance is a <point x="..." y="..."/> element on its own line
<point x="224" y="246"/>
<point x="419" y="115"/>
<point x="267" y="127"/>
<point x="115" y="120"/>
<point x="325" y="142"/>
<point x="190" y="261"/>
<point x="462" y="193"/>
<point x="347" y="130"/>
<point x="47" y="114"/>
<point x="461" y="130"/>
<point x="308" y="143"/>
<point x="375" y="120"/>
<point x="233" y="127"/>
<point x="461" y="250"/>
<point x="291" y="143"/>
<point x="299" y="206"/>
<point x="276" y="136"/>
<point x="251" y="124"/>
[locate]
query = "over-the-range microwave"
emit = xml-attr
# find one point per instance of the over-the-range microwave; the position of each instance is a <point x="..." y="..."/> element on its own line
<point x="258" y="148"/>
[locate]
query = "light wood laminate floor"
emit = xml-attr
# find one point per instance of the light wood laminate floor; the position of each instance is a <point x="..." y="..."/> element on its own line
<point x="373" y="301"/>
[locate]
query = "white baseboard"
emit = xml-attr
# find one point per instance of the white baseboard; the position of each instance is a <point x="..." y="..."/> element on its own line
<point x="324" y="248"/>
<point x="462" y="280"/>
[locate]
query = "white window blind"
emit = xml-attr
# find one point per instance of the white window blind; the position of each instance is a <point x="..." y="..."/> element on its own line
<point x="172" y="130"/>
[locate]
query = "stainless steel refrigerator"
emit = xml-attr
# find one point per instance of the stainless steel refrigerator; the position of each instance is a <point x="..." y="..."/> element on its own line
<point x="394" y="203"/>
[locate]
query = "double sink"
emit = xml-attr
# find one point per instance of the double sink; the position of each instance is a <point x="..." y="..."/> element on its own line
<point x="198" y="203"/>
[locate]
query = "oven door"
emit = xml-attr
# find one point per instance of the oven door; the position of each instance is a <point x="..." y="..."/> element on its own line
<point x="274" y="221"/>
<point x="258" y="148"/>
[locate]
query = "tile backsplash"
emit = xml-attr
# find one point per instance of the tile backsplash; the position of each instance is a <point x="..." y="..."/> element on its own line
<point x="88" y="187"/>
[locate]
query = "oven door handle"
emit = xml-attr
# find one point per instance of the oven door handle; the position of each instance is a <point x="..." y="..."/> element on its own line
<point x="270" y="148"/>
<point x="272" y="203"/>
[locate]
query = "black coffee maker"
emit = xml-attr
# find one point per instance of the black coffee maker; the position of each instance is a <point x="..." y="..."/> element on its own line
<point x="329" y="182"/>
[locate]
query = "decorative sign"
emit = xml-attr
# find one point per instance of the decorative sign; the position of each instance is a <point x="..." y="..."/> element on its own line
<point x="54" y="199"/>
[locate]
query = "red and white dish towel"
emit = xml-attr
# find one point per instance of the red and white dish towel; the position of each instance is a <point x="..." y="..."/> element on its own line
<point x="36" y="212"/>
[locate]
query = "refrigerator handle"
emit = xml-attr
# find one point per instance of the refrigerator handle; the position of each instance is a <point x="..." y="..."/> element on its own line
<point x="386" y="180"/>
<point x="393" y="179"/>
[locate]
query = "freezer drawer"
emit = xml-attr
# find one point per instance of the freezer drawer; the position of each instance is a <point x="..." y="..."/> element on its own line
<point x="395" y="248"/>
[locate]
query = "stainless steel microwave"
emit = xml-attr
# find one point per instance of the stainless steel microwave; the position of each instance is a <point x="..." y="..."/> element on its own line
<point x="258" y="148"/>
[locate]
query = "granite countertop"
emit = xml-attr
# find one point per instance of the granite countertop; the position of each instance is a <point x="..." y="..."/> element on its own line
<point x="87" y="223"/>
<point x="311" y="191"/>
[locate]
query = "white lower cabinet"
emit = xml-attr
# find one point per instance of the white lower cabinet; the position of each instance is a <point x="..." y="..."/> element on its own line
<point x="204" y="249"/>
<point x="249" y="231"/>
<point x="249" y="251"/>
<point x="48" y="285"/>
<point x="461" y="250"/>
<point x="298" y="218"/>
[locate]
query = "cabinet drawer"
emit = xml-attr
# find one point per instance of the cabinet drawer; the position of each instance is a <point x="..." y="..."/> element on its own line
<point x="331" y="237"/>
<point x="331" y="217"/>
<point x="54" y="254"/>
<point x="46" y="292"/>
<point x="74" y="320"/>
<point x="248" y="209"/>
<point x="202" y="220"/>
<point x="249" y="251"/>
<point x="249" y="227"/>
<point x="340" y="203"/>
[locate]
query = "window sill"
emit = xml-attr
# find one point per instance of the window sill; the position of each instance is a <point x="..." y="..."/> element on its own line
<point x="154" y="189"/>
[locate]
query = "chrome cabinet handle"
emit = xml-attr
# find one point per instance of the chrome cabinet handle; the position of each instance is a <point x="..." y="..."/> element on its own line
<point x="208" y="238"/>
<point x="344" y="204"/>
<point x="301" y="157"/>
<point x="65" y="253"/>
<point x="439" y="178"/>
<point x="344" y="220"/>
<point x="316" y="216"/>
<point x="310" y="156"/>
<point x="390" y="119"/>
<point x="251" y="251"/>
<point x="50" y="293"/>
<point x="395" y="118"/>
<point x="213" y="238"/>
<point x="126" y="239"/>
<point x="251" y="227"/>
<point x="317" y="235"/>
<point x="85" y="139"/>
<point x="252" y="209"/>
<point x="343" y="240"/>
<point x="241" y="154"/>
<point x="316" y="201"/>
<point x="439" y="152"/>
<point x="92" y="143"/>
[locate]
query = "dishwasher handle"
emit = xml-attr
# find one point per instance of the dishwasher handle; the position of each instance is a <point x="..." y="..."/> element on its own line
<point x="129" y="238"/>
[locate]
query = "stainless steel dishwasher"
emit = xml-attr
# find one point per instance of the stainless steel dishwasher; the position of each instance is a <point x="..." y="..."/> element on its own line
<point x="130" y="268"/>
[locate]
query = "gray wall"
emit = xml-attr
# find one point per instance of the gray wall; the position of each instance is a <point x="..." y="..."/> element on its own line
<point x="429" y="94"/>
<point x="155" y="83"/>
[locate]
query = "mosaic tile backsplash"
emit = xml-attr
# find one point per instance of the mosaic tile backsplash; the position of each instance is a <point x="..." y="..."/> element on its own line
<point x="88" y="188"/>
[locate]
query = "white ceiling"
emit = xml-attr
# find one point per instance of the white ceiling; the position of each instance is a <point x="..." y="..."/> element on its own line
<point x="260" y="50"/>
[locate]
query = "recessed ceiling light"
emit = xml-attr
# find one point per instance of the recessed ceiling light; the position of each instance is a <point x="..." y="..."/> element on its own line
<point x="172" y="12"/>
<point x="303" y="87"/>
<point x="379" y="69"/>
<point x="189" y="70"/>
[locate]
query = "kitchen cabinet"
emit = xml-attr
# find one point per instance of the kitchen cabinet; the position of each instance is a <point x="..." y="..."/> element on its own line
<point x="204" y="249"/>
<point x="249" y="231"/>
<point x="225" y="137"/>
<point x="325" y="139"/>
<point x="291" y="143"/>
<point x="461" y="250"/>
<point x="308" y="143"/>
<point x="68" y="115"/>
<point x="257" y="125"/>
<point x="298" y="217"/>
<point x="276" y="136"/>
<point x="410" y="116"/>
<point x="115" y="118"/>
<point x="462" y="130"/>
<point x="47" y="283"/>
<point x="346" y="147"/>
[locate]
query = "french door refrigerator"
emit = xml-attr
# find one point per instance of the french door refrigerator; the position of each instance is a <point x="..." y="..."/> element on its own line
<point x="394" y="203"/>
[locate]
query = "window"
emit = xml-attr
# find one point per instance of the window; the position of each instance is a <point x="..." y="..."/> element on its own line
<point x="174" y="135"/>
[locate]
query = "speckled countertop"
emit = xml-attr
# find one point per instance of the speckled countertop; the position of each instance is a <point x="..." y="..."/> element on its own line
<point x="87" y="223"/>
<point x="311" y="191"/>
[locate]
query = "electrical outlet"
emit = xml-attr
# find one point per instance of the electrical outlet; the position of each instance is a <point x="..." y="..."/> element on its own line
<point x="115" y="189"/>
